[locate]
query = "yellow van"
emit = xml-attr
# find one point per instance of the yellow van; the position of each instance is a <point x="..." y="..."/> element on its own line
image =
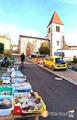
<point x="55" y="63"/>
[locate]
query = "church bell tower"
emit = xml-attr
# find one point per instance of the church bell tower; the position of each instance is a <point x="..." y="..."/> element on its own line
<point x="55" y="33"/>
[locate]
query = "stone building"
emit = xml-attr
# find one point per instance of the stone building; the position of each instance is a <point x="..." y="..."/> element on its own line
<point x="55" y="37"/>
<point x="29" y="44"/>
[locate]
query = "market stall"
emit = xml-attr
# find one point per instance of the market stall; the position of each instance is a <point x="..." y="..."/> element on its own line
<point x="18" y="98"/>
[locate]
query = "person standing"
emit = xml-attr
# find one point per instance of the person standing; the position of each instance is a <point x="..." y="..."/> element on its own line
<point x="22" y="58"/>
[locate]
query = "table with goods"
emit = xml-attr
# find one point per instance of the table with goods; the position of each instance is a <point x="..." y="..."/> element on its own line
<point x="17" y="98"/>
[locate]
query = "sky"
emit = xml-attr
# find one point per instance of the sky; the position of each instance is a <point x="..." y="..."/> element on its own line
<point x="31" y="17"/>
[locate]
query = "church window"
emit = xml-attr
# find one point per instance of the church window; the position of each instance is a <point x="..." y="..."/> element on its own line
<point x="57" y="29"/>
<point x="58" y="43"/>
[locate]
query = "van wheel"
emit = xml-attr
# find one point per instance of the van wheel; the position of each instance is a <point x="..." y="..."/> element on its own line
<point x="64" y="69"/>
<point x="44" y="64"/>
<point x="53" y="68"/>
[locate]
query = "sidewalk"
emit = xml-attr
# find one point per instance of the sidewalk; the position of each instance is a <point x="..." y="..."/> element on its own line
<point x="69" y="75"/>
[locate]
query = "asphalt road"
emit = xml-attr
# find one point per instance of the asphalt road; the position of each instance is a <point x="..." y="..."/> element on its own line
<point x="59" y="95"/>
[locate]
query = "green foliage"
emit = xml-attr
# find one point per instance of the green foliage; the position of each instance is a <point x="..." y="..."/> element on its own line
<point x="74" y="59"/>
<point x="44" y="50"/>
<point x="1" y="48"/>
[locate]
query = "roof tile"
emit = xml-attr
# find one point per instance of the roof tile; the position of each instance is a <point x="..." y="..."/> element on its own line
<point x="55" y="19"/>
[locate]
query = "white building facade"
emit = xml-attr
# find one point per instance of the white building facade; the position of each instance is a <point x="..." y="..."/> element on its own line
<point x="28" y="44"/>
<point x="55" y="38"/>
<point x="55" y="33"/>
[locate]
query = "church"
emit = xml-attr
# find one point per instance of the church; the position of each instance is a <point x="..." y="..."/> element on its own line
<point x="55" y="38"/>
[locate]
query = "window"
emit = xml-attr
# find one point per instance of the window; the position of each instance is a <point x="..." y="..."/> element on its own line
<point x="58" y="43"/>
<point x="59" y="61"/>
<point x="57" y="29"/>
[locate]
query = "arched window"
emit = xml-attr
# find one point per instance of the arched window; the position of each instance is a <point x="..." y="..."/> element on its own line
<point x="58" y="43"/>
<point x="57" y="28"/>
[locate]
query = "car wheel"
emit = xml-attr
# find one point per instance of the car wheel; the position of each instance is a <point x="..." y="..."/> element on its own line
<point x="53" y="68"/>
<point x="44" y="64"/>
<point x="64" y="69"/>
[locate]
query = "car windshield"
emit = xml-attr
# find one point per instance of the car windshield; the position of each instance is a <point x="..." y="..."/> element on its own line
<point x="59" y="61"/>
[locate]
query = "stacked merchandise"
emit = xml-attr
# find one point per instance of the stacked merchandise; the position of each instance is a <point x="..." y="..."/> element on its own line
<point x="25" y="100"/>
<point x="16" y="94"/>
<point x="6" y="98"/>
<point x="29" y="103"/>
<point x="21" y="88"/>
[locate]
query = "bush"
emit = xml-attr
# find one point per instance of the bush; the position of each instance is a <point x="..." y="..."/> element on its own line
<point x="44" y="50"/>
<point x="74" y="59"/>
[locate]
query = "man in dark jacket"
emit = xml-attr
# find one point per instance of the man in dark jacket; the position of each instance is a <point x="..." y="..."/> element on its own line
<point x="22" y="58"/>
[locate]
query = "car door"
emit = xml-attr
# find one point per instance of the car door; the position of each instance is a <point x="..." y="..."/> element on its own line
<point x="47" y="61"/>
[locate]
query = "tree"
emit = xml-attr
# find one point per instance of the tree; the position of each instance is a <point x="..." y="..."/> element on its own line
<point x="1" y="48"/>
<point x="74" y="59"/>
<point x="44" y="50"/>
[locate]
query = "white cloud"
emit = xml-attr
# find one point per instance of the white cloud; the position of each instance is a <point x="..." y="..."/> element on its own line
<point x="30" y="32"/>
<point x="71" y="38"/>
<point x="14" y="32"/>
<point x="10" y="30"/>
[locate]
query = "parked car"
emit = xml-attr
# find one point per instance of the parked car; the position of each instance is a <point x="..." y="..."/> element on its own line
<point x="38" y="55"/>
<point x="34" y="54"/>
<point x="55" y="63"/>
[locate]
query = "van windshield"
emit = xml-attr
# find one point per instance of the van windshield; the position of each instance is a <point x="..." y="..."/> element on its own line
<point x="59" y="61"/>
